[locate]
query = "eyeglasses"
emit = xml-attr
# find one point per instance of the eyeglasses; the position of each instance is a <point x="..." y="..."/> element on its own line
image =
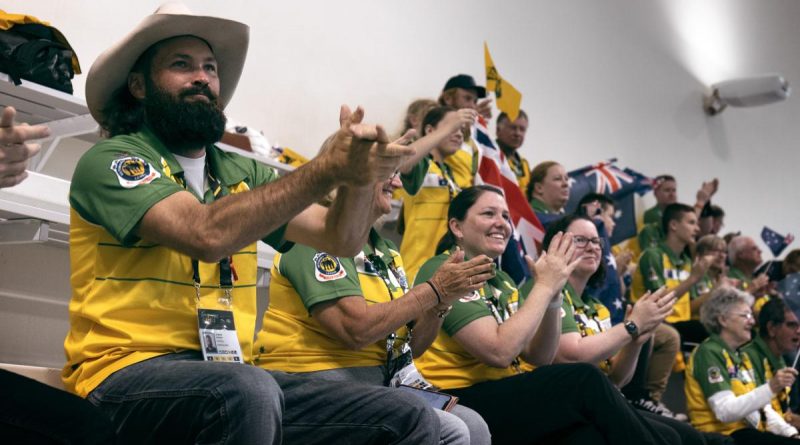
<point x="745" y="315"/>
<point x="582" y="241"/>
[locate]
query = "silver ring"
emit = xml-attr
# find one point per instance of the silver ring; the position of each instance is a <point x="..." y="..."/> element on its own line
<point x="470" y="281"/>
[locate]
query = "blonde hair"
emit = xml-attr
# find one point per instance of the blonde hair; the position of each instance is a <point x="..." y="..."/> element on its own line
<point x="418" y="108"/>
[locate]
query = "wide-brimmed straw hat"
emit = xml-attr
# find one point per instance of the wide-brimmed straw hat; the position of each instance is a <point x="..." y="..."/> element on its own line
<point x="228" y="40"/>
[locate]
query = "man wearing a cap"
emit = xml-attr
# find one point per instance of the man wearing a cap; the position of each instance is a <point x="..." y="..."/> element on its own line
<point x="459" y="92"/>
<point x="163" y="252"/>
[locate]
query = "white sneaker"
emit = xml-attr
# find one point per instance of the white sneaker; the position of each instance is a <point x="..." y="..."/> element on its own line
<point x="650" y="405"/>
<point x="668" y="413"/>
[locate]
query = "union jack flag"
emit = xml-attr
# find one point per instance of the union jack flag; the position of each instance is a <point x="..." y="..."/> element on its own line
<point x="528" y="232"/>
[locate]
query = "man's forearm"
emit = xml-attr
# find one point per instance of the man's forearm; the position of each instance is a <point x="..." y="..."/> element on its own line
<point x="210" y="232"/>
<point x="350" y="218"/>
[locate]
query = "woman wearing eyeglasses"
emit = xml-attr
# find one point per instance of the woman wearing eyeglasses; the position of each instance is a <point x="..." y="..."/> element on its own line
<point x="722" y="393"/>
<point x="587" y="334"/>
<point x="491" y="339"/>
<point x="355" y="320"/>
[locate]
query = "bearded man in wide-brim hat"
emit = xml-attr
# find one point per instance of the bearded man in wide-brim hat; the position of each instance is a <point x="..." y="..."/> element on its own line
<point x="163" y="246"/>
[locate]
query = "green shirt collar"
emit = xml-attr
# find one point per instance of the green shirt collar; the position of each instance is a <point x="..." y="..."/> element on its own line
<point x="541" y="207"/>
<point x="227" y="173"/>
<point x="676" y="260"/>
<point x="763" y="348"/>
<point x="733" y="353"/>
<point x="738" y="274"/>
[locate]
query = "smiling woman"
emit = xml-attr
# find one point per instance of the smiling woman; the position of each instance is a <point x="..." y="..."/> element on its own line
<point x="723" y="393"/>
<point x="490" y="342"/>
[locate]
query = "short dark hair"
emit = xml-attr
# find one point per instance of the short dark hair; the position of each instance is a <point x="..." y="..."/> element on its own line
<point x="674" y="212"/>
<point x="715" y="211"/>
<point x="588" y="198"/>
<point x="504" y="117"/>
<point x="458" y="209"/>
<point x="661" y="178"/>
<point x="599" y="277"/>
<point x="773" y="311"/>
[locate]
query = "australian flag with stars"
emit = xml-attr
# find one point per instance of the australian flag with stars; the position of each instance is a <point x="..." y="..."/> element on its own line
<point x="621" y="185"/>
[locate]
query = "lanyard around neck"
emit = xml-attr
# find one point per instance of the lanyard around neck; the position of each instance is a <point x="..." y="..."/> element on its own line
<point x="226" y="274"/>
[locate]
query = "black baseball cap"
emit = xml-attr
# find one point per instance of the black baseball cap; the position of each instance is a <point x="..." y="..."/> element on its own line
<point x="465" y="81"/>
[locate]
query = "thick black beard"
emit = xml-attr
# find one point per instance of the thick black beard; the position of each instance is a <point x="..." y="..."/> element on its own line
<point x="183" y="125"/>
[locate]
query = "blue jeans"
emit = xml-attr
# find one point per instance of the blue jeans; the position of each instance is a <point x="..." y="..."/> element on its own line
<point x="461" y="425"/>
<point x="179" y="398"/>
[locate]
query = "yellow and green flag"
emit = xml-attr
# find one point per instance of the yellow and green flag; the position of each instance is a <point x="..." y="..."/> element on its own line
<point x="508" y="98"/>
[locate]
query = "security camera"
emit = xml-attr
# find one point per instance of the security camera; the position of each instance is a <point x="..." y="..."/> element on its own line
<point x="746" y="92"/>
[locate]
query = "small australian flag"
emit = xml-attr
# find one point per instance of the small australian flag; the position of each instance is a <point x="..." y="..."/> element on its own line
<point x="775" y="241"/>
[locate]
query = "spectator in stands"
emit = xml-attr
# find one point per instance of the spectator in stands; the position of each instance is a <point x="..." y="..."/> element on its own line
<point x="718" y="216"/>
<point x="32" y="412"/>
<point x="15" y="150"/>
<point x="611" y="292"/>
<point x="490" y="340"/>
<point x="459" y="92"/>
<point x="744" y="256"/>
<point x="717" y="274"/>
<point x="665" y="191"/>
<point x="777" y="269"/>
<point x="778" y="335"/>
<point x="791" y="263"/>
<point x="711" y="221"/>
<point x="152" y="250"/>
<point x="587" y="334"/>
<point x="429" y="184"/>
<point x="414" y="114"/>
<point x="363" y="315"/>
<point x="669" y="264"/>
<point x="722" y="393"/>
<point x="510" y="137"/>
<point x="548" y="191"/>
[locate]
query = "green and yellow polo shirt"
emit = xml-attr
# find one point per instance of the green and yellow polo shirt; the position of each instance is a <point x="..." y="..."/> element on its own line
<point x="429" y="187"/>
<point x="131" y="299"/>
<point x="765" y="363"/>
<point x="659" y="266"/>
<point x="585" y="315"/>
<point x="291" y="340"/>
<point x="714" y="367"/>
<point x="446" y="363"/>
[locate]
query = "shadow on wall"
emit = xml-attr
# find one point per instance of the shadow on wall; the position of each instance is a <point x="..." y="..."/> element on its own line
<point x="717" y="136"/>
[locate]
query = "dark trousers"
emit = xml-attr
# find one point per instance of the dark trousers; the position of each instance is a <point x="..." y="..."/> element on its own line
<point x="752" y="436"/>
<point x="32" y="412"/>
<point x="691" y="331"/>
<point x="551" y="402"/>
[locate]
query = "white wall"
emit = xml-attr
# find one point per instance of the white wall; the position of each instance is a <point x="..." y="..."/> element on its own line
<point x="600" y="78"/>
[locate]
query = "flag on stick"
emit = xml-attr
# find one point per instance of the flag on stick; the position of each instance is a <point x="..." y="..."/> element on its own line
<point x="507" y="97"/>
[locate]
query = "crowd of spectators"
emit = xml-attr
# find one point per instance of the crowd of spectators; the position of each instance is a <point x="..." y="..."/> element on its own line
<point x="362" y="341"/>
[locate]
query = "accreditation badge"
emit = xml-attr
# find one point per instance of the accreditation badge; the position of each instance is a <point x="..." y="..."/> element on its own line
<point x="407" y="373"/>
<point x="218" y="338"/>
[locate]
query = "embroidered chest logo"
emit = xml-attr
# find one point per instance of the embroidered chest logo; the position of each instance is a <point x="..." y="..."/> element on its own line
<point x="132" y="171"/>
<point x="327" y="267"/>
